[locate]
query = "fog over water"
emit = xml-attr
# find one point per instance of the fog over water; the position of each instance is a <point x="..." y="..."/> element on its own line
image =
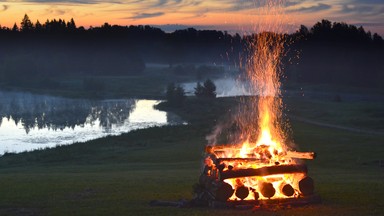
<point x="225" y="87"/>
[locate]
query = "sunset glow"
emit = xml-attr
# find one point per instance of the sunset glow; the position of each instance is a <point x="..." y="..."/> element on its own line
<point x="230" y="15"/>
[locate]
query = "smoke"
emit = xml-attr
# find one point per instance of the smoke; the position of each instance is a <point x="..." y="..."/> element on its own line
<point x="212" y="138"/>
<point x="228" y="130"/>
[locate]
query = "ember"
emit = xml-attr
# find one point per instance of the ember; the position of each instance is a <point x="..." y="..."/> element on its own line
<point x="260" y="166"/>
<point x="253" y="178"/>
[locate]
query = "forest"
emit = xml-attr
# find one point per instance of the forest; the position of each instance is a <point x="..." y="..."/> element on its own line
<point x="37" y="54"/>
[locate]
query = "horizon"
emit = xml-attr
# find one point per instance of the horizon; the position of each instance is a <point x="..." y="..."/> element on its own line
<point x="233" y="16"/>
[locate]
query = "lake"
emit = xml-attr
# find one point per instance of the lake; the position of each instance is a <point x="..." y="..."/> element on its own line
<point x="30" y="121"/>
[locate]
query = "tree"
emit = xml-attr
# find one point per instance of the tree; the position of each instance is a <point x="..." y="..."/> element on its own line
<point x="71" y="25"/>
<point x="26" y="24"/>
<point x="207" y="90"/>
<point x="303" y="30"/>
<point x="15" y="28"/>
<point x="38" y="26"/>
<point x="175" y="95"/>
<point x="199" y="90"/>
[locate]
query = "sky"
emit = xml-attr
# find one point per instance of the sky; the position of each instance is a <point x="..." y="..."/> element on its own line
<point x="229" y="15"/>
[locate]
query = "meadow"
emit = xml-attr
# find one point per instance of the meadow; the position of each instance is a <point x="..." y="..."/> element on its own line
<point x="120" y="175"/>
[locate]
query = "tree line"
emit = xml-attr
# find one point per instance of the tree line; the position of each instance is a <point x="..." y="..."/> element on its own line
<point x="175" y="94"/>
<point x="335" y="53"/>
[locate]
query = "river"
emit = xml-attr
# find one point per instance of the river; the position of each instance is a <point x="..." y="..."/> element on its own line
<point x="31" y="121"/>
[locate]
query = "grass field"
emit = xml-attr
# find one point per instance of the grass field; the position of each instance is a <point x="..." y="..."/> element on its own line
<point x="121" y="175"/>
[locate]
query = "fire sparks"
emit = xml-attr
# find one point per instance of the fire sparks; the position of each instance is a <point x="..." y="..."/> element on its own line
<point x="261" y="166"/>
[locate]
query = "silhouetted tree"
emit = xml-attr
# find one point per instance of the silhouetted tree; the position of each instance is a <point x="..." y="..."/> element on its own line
<point x="71" y="25"/>
<point x="207" y="90"/>
<point x="335" y="53"/>
<point x="15" y="28"/>
<point x="26" y="24"/>
<point x="38" y="26"/>
<point x="303" y="30"/>
<point x="199" y="90"/>
<point x="175" y="95"/>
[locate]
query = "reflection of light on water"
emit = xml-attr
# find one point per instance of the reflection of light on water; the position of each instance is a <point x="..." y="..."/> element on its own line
<point x="144" y="112"/>
<point x="14" y="138"/>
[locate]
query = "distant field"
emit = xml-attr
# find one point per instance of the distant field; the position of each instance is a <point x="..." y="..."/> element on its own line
<point x="121" y="175"/>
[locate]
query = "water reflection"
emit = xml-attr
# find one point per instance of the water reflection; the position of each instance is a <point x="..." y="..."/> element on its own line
<point x="29" y="121"/>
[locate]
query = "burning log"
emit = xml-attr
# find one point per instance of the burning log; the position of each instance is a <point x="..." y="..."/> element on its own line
<point x="224" y="192"/>
<point x="267" y="189"/>
<point x="220" y="160"/>
<point x="287" y="190"/>
<point x="242" y="192"/>
<point x="301" y="155"/>
<point x="291" y="154"/>
<point x="264" y="171"/>
<point x="306" y="186"/>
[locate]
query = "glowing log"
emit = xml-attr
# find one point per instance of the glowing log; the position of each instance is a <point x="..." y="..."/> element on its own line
<point x="267" y="189"/>
<point x="292" y="154"/>
<point x="301" y="155"/>
<point x="224" y="192"/>
<point x="287" y="189"/>
<point x="306" y="186"/>
<point x="242" y="192"/>
<point x="219" y="160"/>
<point x="264" y="171"/>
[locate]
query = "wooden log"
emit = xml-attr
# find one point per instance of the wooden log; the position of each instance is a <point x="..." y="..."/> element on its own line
<point x="267" y="189"/>
<point x="287" y="190"/>
<point x="242" y="192"/>
<point x="264" y="171"/>
<point x="291" y="154"/>
<point x="256" y="195"/>
<point x="301" y="155"/>
<point x="224" y="192"/>
<point x="220" y="160"/>
<point x="306" y="186"/>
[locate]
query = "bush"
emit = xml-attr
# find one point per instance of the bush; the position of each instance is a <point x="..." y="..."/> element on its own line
<point x="207" y="90"/>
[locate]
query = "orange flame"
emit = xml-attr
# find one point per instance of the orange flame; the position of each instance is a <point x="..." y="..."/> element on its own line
<point x="261" y="127"/>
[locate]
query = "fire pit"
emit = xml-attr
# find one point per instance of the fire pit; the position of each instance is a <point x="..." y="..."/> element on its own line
<point x="264" y="176"/>
<point x="260" y="168"/>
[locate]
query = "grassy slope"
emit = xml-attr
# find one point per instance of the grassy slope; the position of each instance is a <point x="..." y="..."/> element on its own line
<point x="120" y="175"/>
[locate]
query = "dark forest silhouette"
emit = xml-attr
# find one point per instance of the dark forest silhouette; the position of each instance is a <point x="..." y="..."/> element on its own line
<point x="31" y="54"/>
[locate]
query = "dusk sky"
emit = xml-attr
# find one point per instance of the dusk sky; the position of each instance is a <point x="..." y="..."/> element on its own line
<point x="230" y="15"/>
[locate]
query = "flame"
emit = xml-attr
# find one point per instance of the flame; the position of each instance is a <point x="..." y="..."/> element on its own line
<point x="260" y="119"/>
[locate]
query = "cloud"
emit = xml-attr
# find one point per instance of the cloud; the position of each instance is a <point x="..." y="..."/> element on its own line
<point x="312" y="9"/>
<point x="292" y="3"/>
<point x="364" y="10"/>
<point x="174" y="27"/>
<point x="369" y="24"/>
<point x="56" y="11"/>
<point x="74" y="2"/>
<point x="357" y="9"/>
<point x="380" y="2"/>
<point x="4" y="8"/>
<point x="145" y="15"/>
<point x="62" y="1"/>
